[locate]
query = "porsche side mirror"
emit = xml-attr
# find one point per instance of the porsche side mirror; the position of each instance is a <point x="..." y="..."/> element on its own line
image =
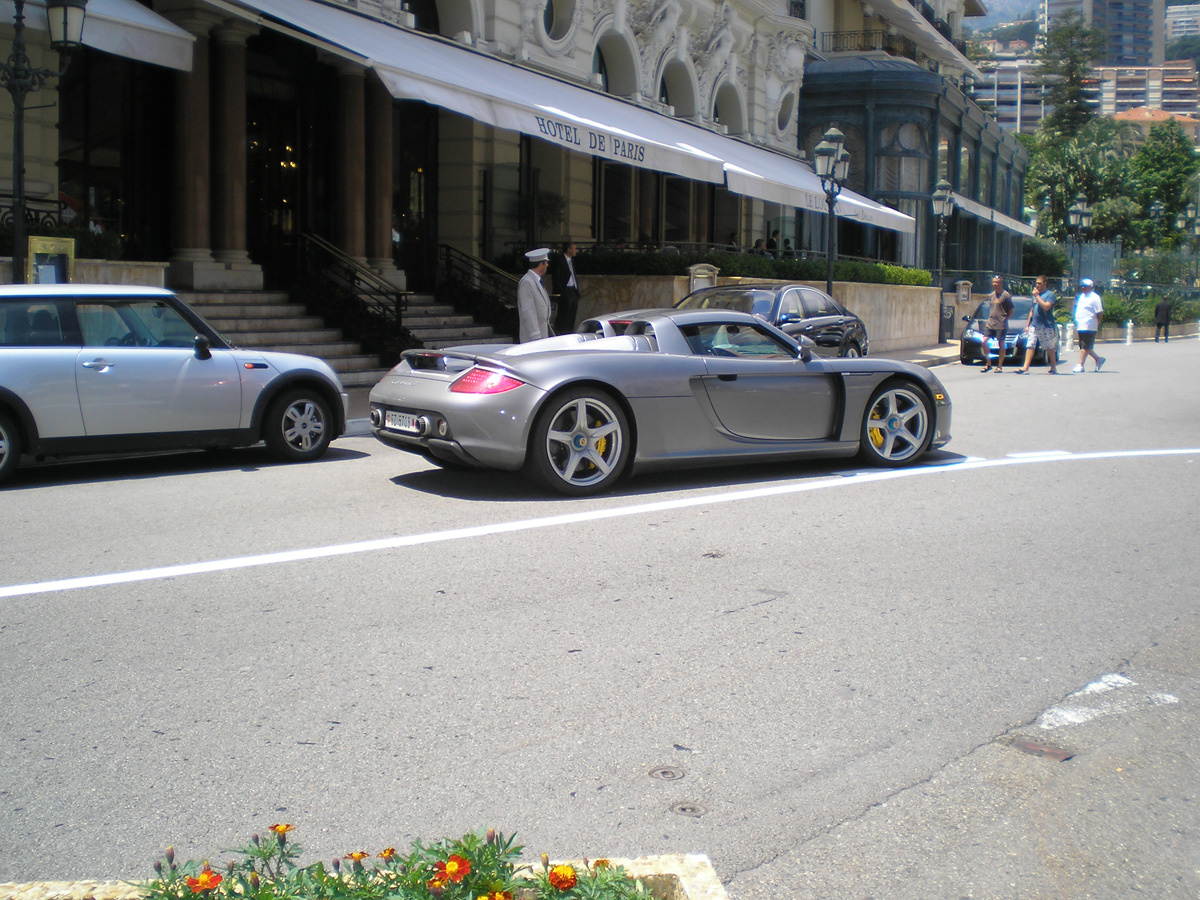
<point x="203" y="347"/>
<point x="806" y="348"/>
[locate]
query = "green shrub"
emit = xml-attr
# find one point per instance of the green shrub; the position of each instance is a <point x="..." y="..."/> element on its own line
<point x="733" y="265"/>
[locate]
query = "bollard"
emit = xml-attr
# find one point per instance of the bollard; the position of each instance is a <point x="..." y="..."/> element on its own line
<point x="1070" y="330"/>
<point x="1129" y="332"/>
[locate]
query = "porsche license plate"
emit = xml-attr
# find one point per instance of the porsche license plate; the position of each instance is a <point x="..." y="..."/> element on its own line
<point x="406" y="422"/>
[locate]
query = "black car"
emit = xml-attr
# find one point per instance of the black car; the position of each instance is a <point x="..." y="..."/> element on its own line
<point x="796" y="309"/>
<point x="971" y="342"/>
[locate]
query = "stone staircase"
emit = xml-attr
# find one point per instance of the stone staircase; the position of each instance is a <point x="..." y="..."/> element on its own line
<point x="438" y="325"/>
<point x="269" y="320"/>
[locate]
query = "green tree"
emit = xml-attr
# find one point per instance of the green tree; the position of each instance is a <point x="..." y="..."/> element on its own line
<point x="1162" y="169"/>
<point x="1094" y="162"/>
<point x="1065" y="61"/>
<point x="1185" y="48"/>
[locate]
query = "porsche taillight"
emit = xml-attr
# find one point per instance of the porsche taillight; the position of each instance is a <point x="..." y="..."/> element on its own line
<point x="484" y="381"/>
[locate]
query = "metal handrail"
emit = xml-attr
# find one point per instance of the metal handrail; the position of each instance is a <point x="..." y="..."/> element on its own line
<point x="364" y="304"/>
<point x="477" y="287"/>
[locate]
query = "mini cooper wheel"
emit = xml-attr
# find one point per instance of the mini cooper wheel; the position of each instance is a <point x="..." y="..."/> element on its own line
<point x="579" y="443"/>
<point x="897" y="425"/>
<point x="298" y="426"/>
<point x="10" y="447"/>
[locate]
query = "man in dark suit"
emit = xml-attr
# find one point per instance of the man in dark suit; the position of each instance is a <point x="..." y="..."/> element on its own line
<point x="1162" y="320"/>
<point x="562" y="276"/>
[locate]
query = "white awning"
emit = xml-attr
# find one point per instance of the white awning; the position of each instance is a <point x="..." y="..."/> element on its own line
<point x="914" y="26"/>
<point x="768" y="175"/>
<point x="122" y="28"/>
<point x="987" y="214"/>
<point x="423" y="67"/>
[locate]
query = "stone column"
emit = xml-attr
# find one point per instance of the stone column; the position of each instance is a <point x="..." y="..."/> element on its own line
<point x="191" y="255"/>
<point x="379" y="187"/>
<point x="229" y="157"/>
<point x="350" y="210"/>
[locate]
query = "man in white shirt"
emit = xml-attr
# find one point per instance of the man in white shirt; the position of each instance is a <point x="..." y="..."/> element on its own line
<point x="533" y="303"/>
<point x="1088" y="310"/>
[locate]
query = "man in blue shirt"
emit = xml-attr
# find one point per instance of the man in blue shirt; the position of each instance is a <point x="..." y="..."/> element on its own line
<point x="1041" y="330"/>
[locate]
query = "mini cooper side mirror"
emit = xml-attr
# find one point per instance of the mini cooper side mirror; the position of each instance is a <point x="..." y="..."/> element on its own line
<point x="203" y="347"/>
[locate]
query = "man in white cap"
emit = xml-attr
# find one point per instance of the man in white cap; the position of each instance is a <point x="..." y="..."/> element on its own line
<point x="1088" y="310"/>
<point x="533" y="303"/>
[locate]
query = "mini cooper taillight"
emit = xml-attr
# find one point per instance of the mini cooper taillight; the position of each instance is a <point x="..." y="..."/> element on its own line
<point x="484" y="381"/>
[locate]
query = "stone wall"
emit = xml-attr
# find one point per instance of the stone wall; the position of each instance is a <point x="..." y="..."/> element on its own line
<point x="897" y="317"/>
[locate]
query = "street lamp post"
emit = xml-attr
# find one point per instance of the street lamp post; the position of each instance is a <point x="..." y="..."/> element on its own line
<point x="20" y="78"/>
<point x="1079" y="219"/>
<point x="943" y="205"/>
<point x="832" y="163"/>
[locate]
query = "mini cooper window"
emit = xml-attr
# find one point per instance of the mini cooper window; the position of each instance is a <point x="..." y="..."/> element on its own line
<point x="735" y="339"/>
<point x="134" y="323"/>
<point x="25" y="323"/>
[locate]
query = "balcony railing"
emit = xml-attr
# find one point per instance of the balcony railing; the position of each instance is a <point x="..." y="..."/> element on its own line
<point x="866" y="41"/>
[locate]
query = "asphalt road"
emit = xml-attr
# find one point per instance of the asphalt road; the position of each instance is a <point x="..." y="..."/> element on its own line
<point x="835" y="671"/>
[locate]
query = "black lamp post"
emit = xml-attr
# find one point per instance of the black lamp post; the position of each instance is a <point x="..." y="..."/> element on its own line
<point x="21" y="79"/>
<point x="1079" y="219"/>
<point x="832" y="163"/>
<point x="943" y="205"/>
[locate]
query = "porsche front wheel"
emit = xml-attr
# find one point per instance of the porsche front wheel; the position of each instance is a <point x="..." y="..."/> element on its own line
<point x="579" y="443"/>
<point x="896" y="426"/>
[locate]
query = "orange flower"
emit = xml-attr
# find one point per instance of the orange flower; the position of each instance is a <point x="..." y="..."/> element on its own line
<point x="563" y="877"/>
<point x="283" y="829"/>
<point x="600" y="864"/>
<point x="389" y="853"/>
<point x="207" y="880"/>
<point x="497" y="895"/>
<point x="357" y="855"/>
<point x="436" y="885"/>
<point x="454" y="869"/>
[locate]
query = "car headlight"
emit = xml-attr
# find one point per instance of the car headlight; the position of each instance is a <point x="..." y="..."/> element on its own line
<point x="972" y="334"/>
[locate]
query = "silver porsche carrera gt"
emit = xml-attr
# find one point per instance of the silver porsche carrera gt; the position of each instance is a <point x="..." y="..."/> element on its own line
<point x="649" y="389"/>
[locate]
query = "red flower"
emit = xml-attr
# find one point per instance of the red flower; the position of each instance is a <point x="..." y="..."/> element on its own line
<point x="389" y="853"/>
<point x="497" y="895"/>
<point x="207" y="880"/>
<point x="563" y="877"/>
<point x="357" y="855"/>
<point x="282" y="829"/>
<point x="454" y="869"/>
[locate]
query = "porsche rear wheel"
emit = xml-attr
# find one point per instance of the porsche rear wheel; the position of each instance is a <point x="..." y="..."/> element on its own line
<point x="579" y="443"/>
<point x="897" y="426"/>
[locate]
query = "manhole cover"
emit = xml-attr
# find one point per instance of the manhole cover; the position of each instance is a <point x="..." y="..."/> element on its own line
<point x="667" y="773"/>
<point x="689" y="808"/>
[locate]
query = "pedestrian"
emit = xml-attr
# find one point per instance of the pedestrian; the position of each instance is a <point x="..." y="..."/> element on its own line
<point x="773" y="243"/>
<point x="1041" y="330"/>
<point x="788" y="252"/>
<point x="1162" y="320"/>
<point x="533" y="303"/>
<point x="732" y="246"/>
<point x="997" y="324"/>
<point x="758" y="249"/>
<point x="1088" y="310"/>
<point x="562" y="277"/>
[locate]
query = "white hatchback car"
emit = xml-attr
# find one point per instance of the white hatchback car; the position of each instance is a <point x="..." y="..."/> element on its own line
<point x="106" y="369"/>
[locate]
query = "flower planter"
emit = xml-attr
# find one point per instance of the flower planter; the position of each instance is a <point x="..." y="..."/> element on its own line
<point x="676" y="877"/>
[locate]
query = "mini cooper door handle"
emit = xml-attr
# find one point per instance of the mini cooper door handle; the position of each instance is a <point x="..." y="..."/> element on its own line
<point x="727" y="377"/>
<point x="99" y="364"/>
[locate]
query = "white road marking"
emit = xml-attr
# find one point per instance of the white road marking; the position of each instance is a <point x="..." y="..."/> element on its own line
<point x="1086" y="707"/>
<point x="854" y="477"/>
